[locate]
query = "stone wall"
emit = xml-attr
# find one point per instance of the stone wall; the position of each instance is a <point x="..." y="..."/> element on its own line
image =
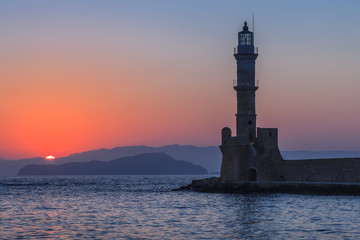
<point x="241" y="160"/>
<point x="235" y="165"/>
<point x="321" y="170"/>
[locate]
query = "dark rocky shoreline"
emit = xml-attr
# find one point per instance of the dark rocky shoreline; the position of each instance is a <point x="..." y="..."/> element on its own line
<point x="215" y="185"/>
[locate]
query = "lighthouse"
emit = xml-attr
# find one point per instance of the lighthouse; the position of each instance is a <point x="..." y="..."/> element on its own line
<point x="240" y="151"/>
<point x="253" y="153"/>
<point x="245" y="86"/>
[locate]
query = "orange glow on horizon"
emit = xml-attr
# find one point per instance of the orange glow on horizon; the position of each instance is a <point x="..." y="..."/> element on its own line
<point x="77" y="79"/>
<point x="50" y="157"/>
<point x="90" y="106"/>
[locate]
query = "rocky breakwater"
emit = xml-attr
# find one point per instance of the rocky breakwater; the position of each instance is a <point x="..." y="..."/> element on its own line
<point x="215" y="185"/>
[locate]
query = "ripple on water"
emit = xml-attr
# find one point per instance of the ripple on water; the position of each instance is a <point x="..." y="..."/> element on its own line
<point x="144" y="207"/>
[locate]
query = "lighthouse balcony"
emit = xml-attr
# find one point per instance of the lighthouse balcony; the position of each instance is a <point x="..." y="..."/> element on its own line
<point x="246" y="49"/>
<point x="246" y="88"/>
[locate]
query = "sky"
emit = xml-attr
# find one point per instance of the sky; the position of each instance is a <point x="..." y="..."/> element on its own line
<point x="77" y="75"/>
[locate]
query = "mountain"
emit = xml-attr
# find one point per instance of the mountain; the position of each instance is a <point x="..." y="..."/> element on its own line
<point x="207" y="157"/>
<point x="11" y="167"/>
<point x="142" y="164"/>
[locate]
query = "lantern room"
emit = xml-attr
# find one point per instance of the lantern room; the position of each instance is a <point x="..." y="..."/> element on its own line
<point x="246" y="40"/>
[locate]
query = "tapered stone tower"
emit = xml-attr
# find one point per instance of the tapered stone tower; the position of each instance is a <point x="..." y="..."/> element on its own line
<point x="245" y="85"/>
<point x="240" y="152"/>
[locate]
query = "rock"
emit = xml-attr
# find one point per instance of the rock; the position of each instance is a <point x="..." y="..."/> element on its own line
<point x="182" y="188"/>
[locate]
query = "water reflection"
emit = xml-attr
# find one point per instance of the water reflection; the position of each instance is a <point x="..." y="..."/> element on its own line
<point x="144" y="207"/>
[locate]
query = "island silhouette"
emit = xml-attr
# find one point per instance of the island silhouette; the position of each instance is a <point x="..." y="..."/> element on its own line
<point x="142" y="164"/>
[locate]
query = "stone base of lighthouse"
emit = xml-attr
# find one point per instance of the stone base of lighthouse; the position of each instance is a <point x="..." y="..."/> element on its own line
<point x="246" y="161"/>
<point x="262" y="161"/>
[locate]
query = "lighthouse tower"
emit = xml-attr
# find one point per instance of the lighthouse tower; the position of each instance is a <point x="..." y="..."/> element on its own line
<point x="245" y="85"/>
<point x="240" y="151"/>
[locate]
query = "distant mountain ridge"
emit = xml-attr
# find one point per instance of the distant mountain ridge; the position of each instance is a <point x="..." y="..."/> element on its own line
<point x="142" y="164"/>
<point x="11" y="167"/>
<point x="207" y="157"/>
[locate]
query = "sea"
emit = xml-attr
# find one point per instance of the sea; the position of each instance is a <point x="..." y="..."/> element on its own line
<point x="144" y="207"/>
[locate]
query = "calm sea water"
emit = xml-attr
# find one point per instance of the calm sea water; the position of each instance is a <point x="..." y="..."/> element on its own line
<point x="143" y="207"/>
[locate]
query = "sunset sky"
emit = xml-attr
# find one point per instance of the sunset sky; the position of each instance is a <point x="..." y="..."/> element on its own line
<point x="81" y="75"/>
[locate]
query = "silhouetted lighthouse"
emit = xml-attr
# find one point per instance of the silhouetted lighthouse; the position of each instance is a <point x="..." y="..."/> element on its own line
<point x="254" y="155"/>
<point x="240" y="152"/>
<point x="245" y="85"/>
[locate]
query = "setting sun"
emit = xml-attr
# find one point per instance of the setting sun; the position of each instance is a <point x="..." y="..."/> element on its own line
<point x="50" y="157"/>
